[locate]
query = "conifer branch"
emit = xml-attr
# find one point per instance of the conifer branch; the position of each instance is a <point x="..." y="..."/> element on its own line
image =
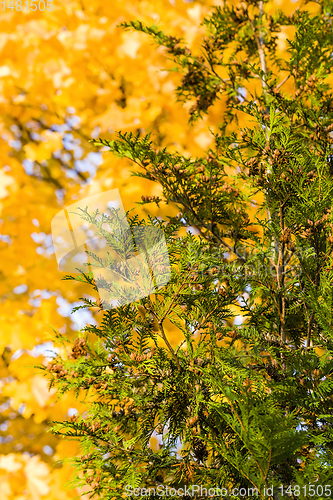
<point x="268" y="463"/>
<point x="281" y="276"/>
<point x="175" y="357"/>
<point x="212" y="230"/>
<point x="143" y="389"/>
<point x="308" y="337"/>
<point x="261" y="48"/>
<point x="227" y="83"/>
<point x="263" y="475"/>
<point x="162" y="334"/>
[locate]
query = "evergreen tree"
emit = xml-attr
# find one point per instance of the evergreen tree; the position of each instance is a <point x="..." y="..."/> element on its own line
<point x="250" y="405"/>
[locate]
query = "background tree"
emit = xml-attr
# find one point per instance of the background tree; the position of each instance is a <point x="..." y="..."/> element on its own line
<point x="248" y="406"/>
<point x="56" y="94"/>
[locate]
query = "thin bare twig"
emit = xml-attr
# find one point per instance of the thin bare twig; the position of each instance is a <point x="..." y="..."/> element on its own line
<point x="281" y="83"/>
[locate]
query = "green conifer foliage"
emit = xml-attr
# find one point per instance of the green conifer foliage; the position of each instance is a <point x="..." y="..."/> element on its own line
<point x="250" y="405"/>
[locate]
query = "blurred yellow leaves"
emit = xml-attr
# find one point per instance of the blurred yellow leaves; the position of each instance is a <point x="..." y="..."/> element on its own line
<point x="131" y="44"/>
<point x="24" y="477"/>
<point x="36" y="473"/>
<point x="4" y="71"/>
<point x="22" y="472"/>
<point x="154" y="444"/>
<point x="21" y="328"/>
<point x="43" y="151"/>
<point x="33" y="393"/>
<point x="5" y="181"/>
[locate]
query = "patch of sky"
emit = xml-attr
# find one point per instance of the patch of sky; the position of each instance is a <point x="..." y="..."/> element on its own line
<point x="5" y="238"/>
<point x="78" y="152"/>
<point x="7" y="439"/>
<point x="48" y="450"/>
<point x="80" y="318"/>
<point x="243" y="93"/>
<point x="72" y="411"/>
<point x="38" y="237"/>
<point x="60" y="194"/>
<point x="95" y="158"/>
<point x="57" y="154"/>
<point x="73" y="121"/>
<point x="5" y="406"/>
<point x="113" y="204"/>
<point x="34" y="136"/>
<point x="20" y="289"/>
<point x="15" y="145"/>
<point x="16" y="130"/>
<point x="45" y="240"/>
<point x="193" y="230"/>
<point x="32" y="125"/>
<point x="239" y="320"/>
<point x="37" y="295"/>
<point x="80" y="258"/>
<point x="85" y="166"/>
<point x="242" y="299"/>
<point x="60" y="128"/>
<point x="28" y="166"/>
<point x="69" y="142"/>
<point x="95" y="133"/>
<point x="65" y="157"/>
<point x="71" y="174"/>
<point x="44" y="349"/>
<point x="89" y="163"/>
